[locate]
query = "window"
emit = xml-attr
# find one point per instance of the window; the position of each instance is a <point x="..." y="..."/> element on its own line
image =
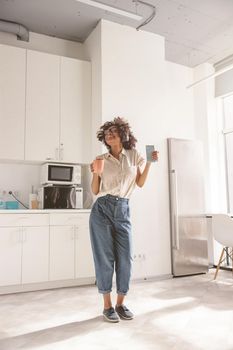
<point x="228" y="138"/>
<point x="228" y="135"/>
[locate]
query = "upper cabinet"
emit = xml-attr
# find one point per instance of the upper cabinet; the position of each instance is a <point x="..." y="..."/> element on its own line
<point x="58" y="108"/>
<point x="12" y="102"/>
<point x="42" y="106"/>
<point x="45" y="106"/>
<point x="75" y="109"/>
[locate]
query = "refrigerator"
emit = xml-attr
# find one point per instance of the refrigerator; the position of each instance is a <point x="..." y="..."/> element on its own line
<point x="189" y="250"/>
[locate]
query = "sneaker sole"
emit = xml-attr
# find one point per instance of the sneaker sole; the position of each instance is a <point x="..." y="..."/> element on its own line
<point x="125" y="318"/>
<point x="109" y="320"/>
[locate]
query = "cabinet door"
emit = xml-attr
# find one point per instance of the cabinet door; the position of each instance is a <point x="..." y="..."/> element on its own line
<point x="84" y="265"/>
<point x="75" y="110"/>
<point x="42" y="106"/>
<point x="35" y="255"/>
<point x="61" y="253"/>
<point x="12" y="102"/>
<point x="10" y="255"/>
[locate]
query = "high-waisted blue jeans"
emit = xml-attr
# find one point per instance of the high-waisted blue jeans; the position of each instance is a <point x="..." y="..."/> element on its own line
<point x="110" y="233"/>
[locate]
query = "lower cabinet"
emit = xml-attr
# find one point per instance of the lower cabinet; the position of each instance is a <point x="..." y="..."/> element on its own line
<point x="24" y="248"/>
<point x="84" y="264"/>
<point x="61" y="253"/>
<point x="38" y="248"/>
<point x="35" y="254"/>
<point x="10" y="256"/>
<point x="70" y="247"/>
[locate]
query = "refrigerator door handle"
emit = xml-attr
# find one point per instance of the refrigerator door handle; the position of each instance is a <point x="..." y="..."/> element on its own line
<point x="175" y="211"/>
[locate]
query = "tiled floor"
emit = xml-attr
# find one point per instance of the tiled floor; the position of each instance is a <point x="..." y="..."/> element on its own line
<point x="177" y="314"/>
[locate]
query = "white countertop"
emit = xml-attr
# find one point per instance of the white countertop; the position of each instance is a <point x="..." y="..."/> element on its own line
<point x="43" y="211"/>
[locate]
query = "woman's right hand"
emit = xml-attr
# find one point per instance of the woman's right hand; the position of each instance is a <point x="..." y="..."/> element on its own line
<point x="97" y="166"/>
<point x="92" y="167"/>
<point x="95" y="184"/>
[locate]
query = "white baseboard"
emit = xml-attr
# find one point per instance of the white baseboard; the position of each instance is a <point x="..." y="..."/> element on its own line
<point x="46" y="285"/>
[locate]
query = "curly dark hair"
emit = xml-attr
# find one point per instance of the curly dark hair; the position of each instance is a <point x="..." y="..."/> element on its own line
<point x="124" y="130"/>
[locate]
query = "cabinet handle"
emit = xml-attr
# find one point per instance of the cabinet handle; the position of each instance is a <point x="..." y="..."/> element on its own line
<point x="48" y="158"/>
<point x="175" y="212"/>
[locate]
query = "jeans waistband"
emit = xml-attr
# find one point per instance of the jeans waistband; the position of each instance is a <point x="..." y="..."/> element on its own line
<point x="115" y="198"/>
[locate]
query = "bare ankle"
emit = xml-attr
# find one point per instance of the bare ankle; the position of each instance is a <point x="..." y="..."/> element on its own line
<point x="107" y="301"/>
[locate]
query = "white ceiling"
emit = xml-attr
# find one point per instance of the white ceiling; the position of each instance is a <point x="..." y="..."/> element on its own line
<point x="196" y="31"/>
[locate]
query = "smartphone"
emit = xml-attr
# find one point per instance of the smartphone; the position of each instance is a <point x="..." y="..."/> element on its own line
<point x="149" y="150"/>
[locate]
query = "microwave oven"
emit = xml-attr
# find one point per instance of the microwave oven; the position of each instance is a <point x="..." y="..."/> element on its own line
<point x="60" y="197"/>
<point x="63" y="174"/>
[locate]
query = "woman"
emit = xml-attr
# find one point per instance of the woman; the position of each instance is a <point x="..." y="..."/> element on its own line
<point x="110" y="226"/>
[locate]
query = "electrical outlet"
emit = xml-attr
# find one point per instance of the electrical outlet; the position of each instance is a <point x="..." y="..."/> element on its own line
<point x="139" y="257"/>
<point x="16" y="193"/>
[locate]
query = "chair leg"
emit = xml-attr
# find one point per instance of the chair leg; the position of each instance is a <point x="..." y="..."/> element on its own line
<point x="219" y="263"/>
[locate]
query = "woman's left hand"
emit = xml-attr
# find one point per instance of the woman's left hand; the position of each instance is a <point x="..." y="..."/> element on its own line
<point x="155" y="156"/>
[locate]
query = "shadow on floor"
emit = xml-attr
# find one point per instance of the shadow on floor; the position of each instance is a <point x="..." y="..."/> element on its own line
<point x="51" y="335"/>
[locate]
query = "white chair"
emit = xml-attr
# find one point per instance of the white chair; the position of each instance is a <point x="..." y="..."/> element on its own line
<point x="222" y="228"/>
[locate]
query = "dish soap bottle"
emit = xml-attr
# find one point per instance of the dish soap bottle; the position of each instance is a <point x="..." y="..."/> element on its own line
<point x="33" y="202"/>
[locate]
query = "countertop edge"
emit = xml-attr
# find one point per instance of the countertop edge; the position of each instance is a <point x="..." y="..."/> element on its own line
<point x="43" y="211"/>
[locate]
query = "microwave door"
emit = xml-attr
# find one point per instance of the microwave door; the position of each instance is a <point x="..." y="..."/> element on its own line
<point x="51" y="197"/>
<point x="59" y="197"/>
<point x="71" y="198"/>
<point x="60" y="173"/>
<point x="66" y="198"/>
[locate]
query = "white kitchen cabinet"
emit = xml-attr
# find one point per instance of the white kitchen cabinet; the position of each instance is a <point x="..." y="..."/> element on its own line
<point x="44" y="250"/>
<point x="70" y="247"/>
<point x="35" y="255"/>
<point x="61" y="253"/>
<point x="75" y="110"/>
<point x="58" y="108"/>
<point x="10" y="255"/>
<point x="12" y="102"/>
<point x="42" y="106"/>
<point x="24" y="248"/>
<point x="84" y="265"/>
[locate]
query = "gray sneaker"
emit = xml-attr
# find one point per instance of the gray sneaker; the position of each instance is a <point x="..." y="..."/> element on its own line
<point x="110" y="315"/>
<point x="124" y="312"/>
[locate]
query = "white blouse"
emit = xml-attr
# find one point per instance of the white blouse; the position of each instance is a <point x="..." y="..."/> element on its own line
<point x="119" y="176"/>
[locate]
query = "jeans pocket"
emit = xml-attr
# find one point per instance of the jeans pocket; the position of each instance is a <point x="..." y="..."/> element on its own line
<point x="124" y="212"/>
<point x="100" y="213"/>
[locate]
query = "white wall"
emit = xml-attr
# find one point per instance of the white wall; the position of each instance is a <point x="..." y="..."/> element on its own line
<point x="19" y="177"/>
<point x="47" y="44"/>
<point x="93" y="51"/>
<point x="138" y="84"/>
<point x="224" y="83"/>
